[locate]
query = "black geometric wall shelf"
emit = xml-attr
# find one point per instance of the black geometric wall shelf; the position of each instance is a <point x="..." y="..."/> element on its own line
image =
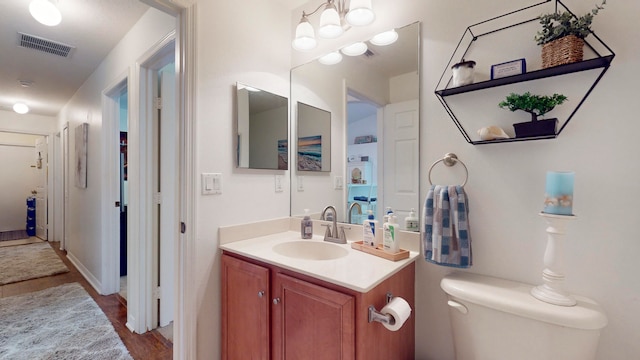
<point x="506" y="38"/>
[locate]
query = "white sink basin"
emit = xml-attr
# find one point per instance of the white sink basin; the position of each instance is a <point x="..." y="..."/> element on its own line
<point x="310" y="250"/>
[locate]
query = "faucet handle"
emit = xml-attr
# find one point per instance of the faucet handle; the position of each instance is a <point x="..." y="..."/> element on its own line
<point x="343" y="236"/>
<point x="327" y="233"/>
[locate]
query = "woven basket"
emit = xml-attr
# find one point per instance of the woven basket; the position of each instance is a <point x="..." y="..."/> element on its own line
<point x="565" y="50"/>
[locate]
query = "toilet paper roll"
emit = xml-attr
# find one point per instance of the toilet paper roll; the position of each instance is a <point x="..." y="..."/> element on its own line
<point x="400" y="310"/>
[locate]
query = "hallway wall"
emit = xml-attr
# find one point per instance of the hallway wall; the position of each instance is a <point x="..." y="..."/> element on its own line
<point x="84" y="230"/>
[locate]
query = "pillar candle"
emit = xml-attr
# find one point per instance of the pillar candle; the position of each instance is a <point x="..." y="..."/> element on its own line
<point x="559" y="193"/>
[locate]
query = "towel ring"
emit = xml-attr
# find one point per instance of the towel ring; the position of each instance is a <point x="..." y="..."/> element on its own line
<point x="450" y="159"/>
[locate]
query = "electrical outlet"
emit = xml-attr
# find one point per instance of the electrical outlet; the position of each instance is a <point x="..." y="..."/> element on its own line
<point x="338" y="183"/>
<point x="279" y="181"/>
<point x="300" y="183"/>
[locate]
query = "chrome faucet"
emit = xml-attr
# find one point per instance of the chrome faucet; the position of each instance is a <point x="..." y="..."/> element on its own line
<point x="357" y="206"/>
<point x="331" y="234"/>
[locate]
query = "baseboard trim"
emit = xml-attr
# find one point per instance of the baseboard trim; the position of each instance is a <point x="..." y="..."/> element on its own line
<point x="95" y="283"/>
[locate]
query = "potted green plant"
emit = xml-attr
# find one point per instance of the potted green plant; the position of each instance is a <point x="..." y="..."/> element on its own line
<point x="536" y="105"/>
<point x="562" y="36"/>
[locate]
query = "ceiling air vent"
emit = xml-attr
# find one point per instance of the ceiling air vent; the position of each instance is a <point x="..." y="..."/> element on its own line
<point x="44" y="45"/>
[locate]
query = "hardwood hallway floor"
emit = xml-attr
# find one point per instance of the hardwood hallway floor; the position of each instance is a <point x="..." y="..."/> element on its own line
<point x="150" y="345"/>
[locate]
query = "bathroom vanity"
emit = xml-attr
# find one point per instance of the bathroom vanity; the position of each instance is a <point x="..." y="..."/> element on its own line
<point x="277" y="306"/>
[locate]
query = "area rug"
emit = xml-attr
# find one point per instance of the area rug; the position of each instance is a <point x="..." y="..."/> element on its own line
<point x="62" y="322"/>
<point x="13" y="235"/>
<point x="24" y="262"/>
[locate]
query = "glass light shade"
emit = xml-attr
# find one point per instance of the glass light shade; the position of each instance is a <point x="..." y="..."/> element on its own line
<point x="331" y="58"/>
<point x="20" y="108"/>
<point x="360" y="13"/>
<point x="45" y="12"/>
<point x="385" y="38"/>
<point x="355" y="49"/>
<point x="305" y="37"/>
<point x="330" y="27"/>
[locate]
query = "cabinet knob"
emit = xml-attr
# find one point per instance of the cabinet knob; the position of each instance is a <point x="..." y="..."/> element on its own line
<point x="260" y="294"/>
<point x="276" y="301"/>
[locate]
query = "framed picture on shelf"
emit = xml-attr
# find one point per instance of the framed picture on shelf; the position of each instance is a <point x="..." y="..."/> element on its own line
<point x="509" y="68"/>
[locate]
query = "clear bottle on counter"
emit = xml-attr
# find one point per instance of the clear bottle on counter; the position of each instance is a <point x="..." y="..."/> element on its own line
<point x="306" y="226"/>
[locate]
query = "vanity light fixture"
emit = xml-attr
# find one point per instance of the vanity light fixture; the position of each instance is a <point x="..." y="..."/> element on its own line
<point x="331" y="58"/>
<point x="45" y="12"/>
<point x="20" y="108"/>
<point x="385" y="38"/>
<point x="335" y="19"/>
<point x="355" y="49"/>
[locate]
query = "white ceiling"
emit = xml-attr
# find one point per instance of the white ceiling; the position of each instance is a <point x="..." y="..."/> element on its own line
<point x="93" y="27"/>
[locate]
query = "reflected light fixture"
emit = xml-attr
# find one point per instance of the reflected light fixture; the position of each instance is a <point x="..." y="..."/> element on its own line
<point x="385" y="38"/>
<point x="45" y="12"/>
<point x="335" y="19"/>
<point x="331" y="58"/>
<point x="355" y="49"/>
<point x="20" y="108"/>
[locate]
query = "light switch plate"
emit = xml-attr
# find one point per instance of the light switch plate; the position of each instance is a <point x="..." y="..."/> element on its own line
<point x="211" y="183"/>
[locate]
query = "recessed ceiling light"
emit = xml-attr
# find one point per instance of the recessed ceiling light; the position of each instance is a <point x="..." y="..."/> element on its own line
<point x="20" y="108"/>
<point x="331" y="58"/>
<point x="355" y="49"/>
<point x="45" y="12"/>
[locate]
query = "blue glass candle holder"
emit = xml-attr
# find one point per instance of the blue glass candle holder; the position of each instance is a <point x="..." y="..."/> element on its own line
<point x="559" y="193"/>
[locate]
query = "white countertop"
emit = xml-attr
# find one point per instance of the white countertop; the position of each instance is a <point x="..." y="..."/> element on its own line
<point x="357" y="270"/>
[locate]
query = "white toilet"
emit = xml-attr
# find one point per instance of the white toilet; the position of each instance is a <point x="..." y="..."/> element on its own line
<point x="497" y="319"/>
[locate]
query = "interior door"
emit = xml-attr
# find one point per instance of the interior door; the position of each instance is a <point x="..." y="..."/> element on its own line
<point x="41" y="187"/>
<point x="166" y="135"/>
<point x="401" y="158"/>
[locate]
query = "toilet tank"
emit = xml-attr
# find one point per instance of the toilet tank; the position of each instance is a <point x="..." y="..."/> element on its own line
<point x="495" y="319"/>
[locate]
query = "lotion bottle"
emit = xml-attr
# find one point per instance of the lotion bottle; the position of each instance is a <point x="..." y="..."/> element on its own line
<point x="306" y="226"/>
<point x="389" y="234"/>
<point x="369" y="230"/>
<point x="411" y="222"/>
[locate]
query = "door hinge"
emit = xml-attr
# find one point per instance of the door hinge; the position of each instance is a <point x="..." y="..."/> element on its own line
<point x="156" y="293"/>
<point x="157" y="198"/>
<point x="183" y="227"/>
<point x="157" y="102"/>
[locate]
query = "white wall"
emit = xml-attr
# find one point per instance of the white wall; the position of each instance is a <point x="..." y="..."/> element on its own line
<point x="238" y="41"/>
<point x="506" y="181"/>
<point x="84" y="232"/>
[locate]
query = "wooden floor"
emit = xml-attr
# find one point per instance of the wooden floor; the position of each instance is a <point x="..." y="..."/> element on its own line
<point x="150" y="345"/>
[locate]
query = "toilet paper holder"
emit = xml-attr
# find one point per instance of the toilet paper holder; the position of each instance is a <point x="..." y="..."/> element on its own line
<point x="375" y="315"/>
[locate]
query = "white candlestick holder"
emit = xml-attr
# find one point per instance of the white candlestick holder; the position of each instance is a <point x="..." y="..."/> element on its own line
<point x="552" y="290"/>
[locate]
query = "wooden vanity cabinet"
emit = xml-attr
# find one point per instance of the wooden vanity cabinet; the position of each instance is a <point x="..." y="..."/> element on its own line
<point x="301" y="317"/>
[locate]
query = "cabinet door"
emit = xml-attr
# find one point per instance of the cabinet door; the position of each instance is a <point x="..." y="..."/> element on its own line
<point x="311" y="322"/>
<point x="245" y="310"/>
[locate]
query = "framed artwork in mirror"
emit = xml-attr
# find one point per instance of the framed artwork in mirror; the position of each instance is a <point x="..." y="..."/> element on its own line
<point x="314" y="138"/>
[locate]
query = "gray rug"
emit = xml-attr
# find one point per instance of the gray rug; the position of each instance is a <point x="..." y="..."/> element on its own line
<point x="62" y="322"/>
<point x="13" y="235"/>
<point x="24" y="262"/>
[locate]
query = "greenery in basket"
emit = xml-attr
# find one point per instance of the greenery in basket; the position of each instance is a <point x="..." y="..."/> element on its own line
<point x="536" y="105"/>
<point x="558" y="25"/>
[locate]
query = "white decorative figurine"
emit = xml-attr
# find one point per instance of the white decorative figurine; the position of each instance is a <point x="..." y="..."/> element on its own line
<point x="463" y="72"/>
<point x="492" y="133"/>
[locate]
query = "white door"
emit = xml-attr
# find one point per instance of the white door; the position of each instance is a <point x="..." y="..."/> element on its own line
<point x="401" y="158"/>
<point x="167" y="188"/>
<point x="41" y="187"/>
<point x="65" y="184"/>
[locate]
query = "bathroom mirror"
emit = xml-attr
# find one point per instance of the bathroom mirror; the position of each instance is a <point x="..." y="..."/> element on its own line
<point x="262" y="129"/>
<point x="373" y="100"/>
<point x="314" y="138"/>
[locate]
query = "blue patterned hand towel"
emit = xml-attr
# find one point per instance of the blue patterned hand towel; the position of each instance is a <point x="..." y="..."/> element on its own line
<point x="445" y="234"/>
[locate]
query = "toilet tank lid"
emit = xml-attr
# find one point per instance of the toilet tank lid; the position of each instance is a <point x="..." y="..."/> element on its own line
<point x="515" y="298"/>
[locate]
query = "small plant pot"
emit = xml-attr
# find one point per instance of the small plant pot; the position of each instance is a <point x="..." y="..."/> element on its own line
<point x="543" y="127"/>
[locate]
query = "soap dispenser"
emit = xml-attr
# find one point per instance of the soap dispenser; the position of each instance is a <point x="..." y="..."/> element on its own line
<point x="306" y="226"/>
<point x="369" y="230"/>
<point x="389" y="235"/>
